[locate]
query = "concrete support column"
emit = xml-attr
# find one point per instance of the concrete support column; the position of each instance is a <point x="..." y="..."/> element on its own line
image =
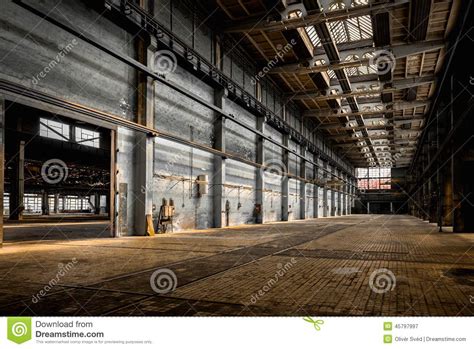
<point x="18" y="182"/>
<point x="315" y="187"/>
<point x="344" y="195"/>
<point x="2" y="163"/>
<point x="56" y="203"/>
<point x="349" y="195"/>
<point x="260" y="184"/>
<point x="97" y="203"/>
<point x="339" y="196"/>
<point x="325" y="191"/>
<point x="285" y="197"/>
<point x="143" y="200"/>
<point x="219" y="162"/>
<point x="45" y="203"/>
<point x="447" y="197"/>
<point x="368" y="207"/>
<point x="352" y="195"/>
<point x="458" y="198"/>
<point x="303" y="183"/>
<point x="333" y="193"/>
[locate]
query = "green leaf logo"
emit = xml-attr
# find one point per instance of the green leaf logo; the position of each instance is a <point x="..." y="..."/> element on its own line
<point x="19" y="329"/>
<point x="316" y="323"/>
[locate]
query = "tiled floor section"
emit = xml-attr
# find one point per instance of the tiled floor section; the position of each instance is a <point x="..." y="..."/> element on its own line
<point x="353" y="265"/>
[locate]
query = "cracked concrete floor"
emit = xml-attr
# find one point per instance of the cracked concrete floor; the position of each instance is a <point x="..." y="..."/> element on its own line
<point x="351" y="265"/>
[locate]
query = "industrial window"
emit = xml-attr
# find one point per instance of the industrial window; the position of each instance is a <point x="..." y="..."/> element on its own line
<point x="54" y="129"/>
<point x="32" y="203"/>
<point x="76" y="203"/>
<point x="374" y="178"/>
<point x="87" y="137"/>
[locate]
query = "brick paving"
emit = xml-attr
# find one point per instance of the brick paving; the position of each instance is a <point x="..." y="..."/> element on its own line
<point x="351" y="265"/>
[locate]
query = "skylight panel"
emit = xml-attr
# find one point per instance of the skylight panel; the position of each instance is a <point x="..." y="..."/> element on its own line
<point x="351" y="29"/>
<point x="313" y="36"/>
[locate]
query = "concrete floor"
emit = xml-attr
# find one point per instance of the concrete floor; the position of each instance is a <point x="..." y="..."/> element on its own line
<point x="317" y="267"/>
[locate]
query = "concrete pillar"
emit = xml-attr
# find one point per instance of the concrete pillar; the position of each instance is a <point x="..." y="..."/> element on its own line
<point x="368" y="207"/>
<point x="391" y="207"/>
<point x="339" y="196"/>
<point x="18" y="182"/>
<point x="447" y="196"/>
<point x="325" y="191"/>
<point x="303" y="183"/>
<point x="285" y="197"/>
<point x="45" y="203"/>
<point x="96" y="203"/>
<point x="315" y="187"/>
<point x="344" y="195"/>
<point x="349" y="194"/>
<point x="219" y="162"/>
<point x="143" y="200"/>
<point x="56" y="203"/>
<point x="260" y="183"/>
<point x="333" y="193"/>
<point x="458" y="198"/>
<point x="2" y="163"/>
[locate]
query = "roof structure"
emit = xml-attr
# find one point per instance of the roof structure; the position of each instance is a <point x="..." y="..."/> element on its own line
<point x="364" y="70"/>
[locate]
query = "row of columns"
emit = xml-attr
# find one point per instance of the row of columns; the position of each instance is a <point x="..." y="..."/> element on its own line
<point x="219" y="177"/>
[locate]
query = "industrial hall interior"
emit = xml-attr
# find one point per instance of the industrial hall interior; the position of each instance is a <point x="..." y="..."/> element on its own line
<point x="236" y="158"/>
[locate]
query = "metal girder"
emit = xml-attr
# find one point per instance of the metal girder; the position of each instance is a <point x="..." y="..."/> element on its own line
<point x="372" y="136"/>
<point x="315" y="17"/>
<point x="330" y="113"/>
<point x="400" y="84"/>
<point x="337" y="126"/>
<point x="353" y="141"/>
<point x="391" y="151"/>
<point x="398" y="51"/>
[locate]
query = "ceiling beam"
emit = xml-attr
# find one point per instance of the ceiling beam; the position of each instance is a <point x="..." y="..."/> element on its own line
<point x="315" y="17"/>
<point x="399" y="51"/>
<point x="400" y="84"/>
<point x="384" y="136"/>
<point x="390" y="107"/>
<point x="352" y="142"/>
